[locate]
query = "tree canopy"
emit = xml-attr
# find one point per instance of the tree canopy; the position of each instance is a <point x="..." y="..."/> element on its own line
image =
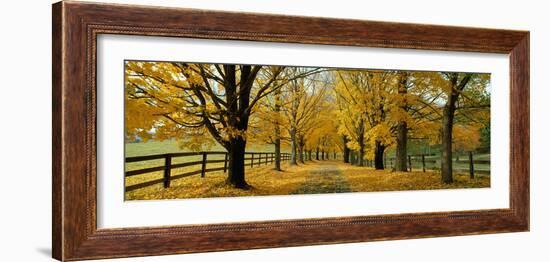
<point x="306" y="110"/>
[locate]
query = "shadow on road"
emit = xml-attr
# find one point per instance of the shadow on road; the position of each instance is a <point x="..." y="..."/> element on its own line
<point x="325" y="179"/>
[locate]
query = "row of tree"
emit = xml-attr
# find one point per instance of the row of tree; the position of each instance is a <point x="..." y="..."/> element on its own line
<point x="383" y="108"/>
<point x="307" y="110"/>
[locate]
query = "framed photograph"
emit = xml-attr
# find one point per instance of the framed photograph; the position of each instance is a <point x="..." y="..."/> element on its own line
<point x="180" y="130"/>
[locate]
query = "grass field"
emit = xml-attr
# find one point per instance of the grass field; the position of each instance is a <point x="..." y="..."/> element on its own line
<point x="311" y="178"/>
<point x="171" y="146"/>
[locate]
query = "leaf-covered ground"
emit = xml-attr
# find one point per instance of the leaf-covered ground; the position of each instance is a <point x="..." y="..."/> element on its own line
<point x="311" y="178"/>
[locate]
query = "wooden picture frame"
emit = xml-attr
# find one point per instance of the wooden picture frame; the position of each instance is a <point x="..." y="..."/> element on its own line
<point x="76" y="26"/>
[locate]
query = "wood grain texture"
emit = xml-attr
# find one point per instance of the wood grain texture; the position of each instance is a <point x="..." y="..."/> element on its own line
<point x="57" y="195"/>
<point x="75" y="29"/>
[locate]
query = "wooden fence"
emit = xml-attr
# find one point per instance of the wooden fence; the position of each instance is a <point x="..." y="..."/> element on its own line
<point x="252" y="159"/>
<point x="420" y="162"/>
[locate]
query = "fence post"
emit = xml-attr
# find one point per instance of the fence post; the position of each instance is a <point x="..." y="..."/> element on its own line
<point x="252" y="160"/>
<point x="471" y="157"/>
<point x="260" y="159"/>
<point x="410" y="164"/>
<point x="423" y="164"/>
<point x="225" y="164"/>
<point x="167" y="168"/>
<point x="203" y="170"/>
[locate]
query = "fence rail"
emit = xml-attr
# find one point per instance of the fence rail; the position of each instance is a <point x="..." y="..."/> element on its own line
<point x="420" y="162"/>
<point x="252" y="159"/>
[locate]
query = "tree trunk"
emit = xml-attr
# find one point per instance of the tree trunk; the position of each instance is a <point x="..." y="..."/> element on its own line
<point x="317" y="154"/>
<point x="361" y="140"/>
<point x="277" y="130"/>
<point x="447" y="127"/>
<point x="346" y="149"/>
<point x="447" y="144"/>
<point x="236" y="145"/>
<point x="301" y="143"/>
<point x="379" y="156"/>
<point x="361" y="155"/>
<point x="294" y="146"/>
<point x="277" y="154"/>
<point x="236" y="163"/>
<point x="401" y="147"/>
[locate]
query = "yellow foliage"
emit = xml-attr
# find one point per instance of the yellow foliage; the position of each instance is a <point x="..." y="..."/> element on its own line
<point x="265" y="181"/>
<point x="172" y="100"/>
<point x="466" y="137"/>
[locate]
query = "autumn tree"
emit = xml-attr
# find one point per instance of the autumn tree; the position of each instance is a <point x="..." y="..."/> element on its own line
<point x="401" y="126"/>
<point x="303" y="97"/>
<point x="414" y="111"/>
<point x="324" y="137"/>
<point x="367" y="94"/>
<point x="197" y="102"/>
<point x="267" y="122"/>
<point x="350" y="87"/>
<point x="423" y="103"/>
<point x="465" y="93"/>
<point x="358" y="112"/>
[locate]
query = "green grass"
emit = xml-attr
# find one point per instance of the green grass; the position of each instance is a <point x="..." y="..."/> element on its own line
<point x="171" y="146"/>
<point x="151" y="148"/>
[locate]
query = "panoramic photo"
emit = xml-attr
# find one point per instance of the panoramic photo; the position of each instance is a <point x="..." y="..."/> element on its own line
<point x="197" y="130"/>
